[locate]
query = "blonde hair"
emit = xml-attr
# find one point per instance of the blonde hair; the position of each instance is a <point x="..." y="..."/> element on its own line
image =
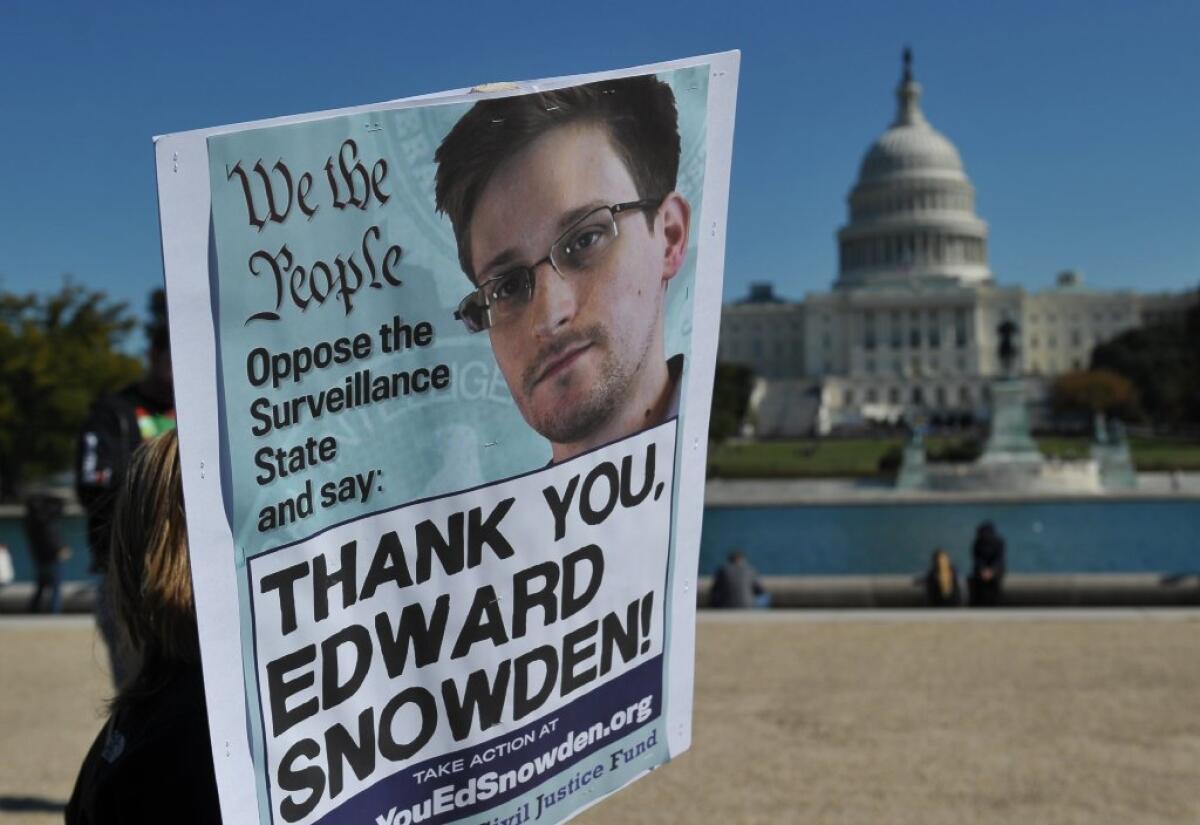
<point x="149" y="575"/>
<point x="945" y="572"/>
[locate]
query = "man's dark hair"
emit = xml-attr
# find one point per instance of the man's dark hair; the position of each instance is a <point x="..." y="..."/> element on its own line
<point x="638" y="112"/>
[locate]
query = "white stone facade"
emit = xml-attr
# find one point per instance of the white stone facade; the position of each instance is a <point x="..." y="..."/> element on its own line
<point x="909" y="329"/>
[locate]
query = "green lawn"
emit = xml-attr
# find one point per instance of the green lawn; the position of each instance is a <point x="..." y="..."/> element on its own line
<point x="1065" y="448"/>
<point x="1156" y="455"/>
<point x="1150" y="455"/>
<point x="862" y="457"/>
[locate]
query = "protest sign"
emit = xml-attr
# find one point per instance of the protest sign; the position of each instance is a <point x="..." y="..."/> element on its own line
<point x="443" y="371"/>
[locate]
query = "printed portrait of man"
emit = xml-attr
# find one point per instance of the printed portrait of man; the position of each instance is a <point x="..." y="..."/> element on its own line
<point x="569" y="228"/>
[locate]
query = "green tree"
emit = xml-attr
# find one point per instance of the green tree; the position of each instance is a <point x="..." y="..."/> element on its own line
<point x="1163" y="363"/>
<point x="731" y="399"/>
<point x="58" y="353"/>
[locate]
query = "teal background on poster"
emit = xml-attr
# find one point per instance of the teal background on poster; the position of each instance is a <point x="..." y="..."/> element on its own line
<point x="424" y="445"/>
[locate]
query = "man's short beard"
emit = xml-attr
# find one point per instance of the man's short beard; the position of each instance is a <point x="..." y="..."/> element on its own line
<point x="570" y="424"/>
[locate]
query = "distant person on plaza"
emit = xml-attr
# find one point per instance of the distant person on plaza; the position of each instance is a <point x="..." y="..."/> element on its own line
<point x="941" y="581"/>
<point x="152" y="761"/>
<point x="736" y="585"/>
<point x="116" y="426"/>
<point x="42" y="513"/>
<point x="988" y="566"/>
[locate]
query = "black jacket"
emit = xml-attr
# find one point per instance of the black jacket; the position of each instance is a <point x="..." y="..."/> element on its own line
<point x="988" y="552"/>
<point x="151" y="763"/>
<point x="116" y="425"/>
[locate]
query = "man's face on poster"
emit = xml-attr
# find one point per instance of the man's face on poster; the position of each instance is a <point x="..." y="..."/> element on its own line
<point x="584" y="346"/>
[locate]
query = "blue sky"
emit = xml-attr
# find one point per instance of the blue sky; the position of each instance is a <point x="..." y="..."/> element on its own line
<point x="1077" y="121"/>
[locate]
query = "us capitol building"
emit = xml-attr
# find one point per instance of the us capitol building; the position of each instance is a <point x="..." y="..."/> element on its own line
<point x="909" y="330"/>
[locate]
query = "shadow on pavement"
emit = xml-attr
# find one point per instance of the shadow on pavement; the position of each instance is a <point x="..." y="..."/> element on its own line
<point x="27" y="804"/>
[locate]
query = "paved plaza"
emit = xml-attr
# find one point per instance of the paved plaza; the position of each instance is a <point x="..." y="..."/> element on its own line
<point x="814" y="717"/>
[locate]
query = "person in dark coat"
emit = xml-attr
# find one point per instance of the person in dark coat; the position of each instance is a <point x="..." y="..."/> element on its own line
<point x="736" y="585"/>
<point x="152" y="761"/>
<point x="115" y="427"/>
<point x="941" y="581"/>
<point x="42" y="513"/>
<point x="988" y="566"/>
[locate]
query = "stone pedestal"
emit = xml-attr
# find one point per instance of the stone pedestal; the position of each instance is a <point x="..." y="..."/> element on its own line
<point x="1011" y="460"/>
<point x="1110" y="451"/>
<point x="1009" y="441"/>
<point x="1115" y="465"/>
<point x="912" y="475"/>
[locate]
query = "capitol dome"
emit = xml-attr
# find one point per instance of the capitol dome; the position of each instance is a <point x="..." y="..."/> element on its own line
<point x="910" y="148"/>
<point x="912" y="210"/>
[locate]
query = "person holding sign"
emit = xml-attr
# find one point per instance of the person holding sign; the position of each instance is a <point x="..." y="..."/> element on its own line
<point x="152" y="761"/>
<point x="569" y="227"/>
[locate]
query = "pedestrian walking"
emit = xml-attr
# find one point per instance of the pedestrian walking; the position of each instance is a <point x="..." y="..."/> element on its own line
<point x="42" y="513"/>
